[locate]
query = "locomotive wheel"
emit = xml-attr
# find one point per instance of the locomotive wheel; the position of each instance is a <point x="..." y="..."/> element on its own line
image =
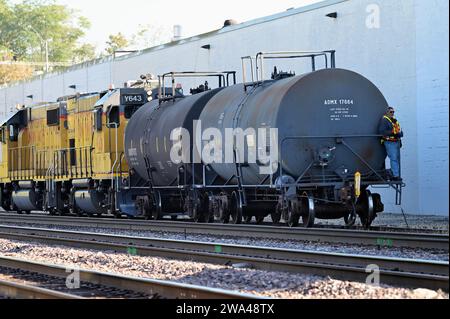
<point x="236" y="209"/>
<point x="368" y="210"/>
<point x="308" y="212"/>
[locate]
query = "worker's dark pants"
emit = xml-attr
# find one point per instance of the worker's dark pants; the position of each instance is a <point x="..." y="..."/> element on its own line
<point x="393" y="152"/>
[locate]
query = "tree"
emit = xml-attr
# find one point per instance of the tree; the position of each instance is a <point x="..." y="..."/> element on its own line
<point x="85" y="52"/>
<point x="10" y="71"/>
<point x="149" y="35"/>
<point x="116" y="42"/>
<point x="25" y="28"/>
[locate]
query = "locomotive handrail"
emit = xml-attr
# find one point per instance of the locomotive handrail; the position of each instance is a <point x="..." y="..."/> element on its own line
<point x="17" y="155"/>
<point x="116" y="159"/>
<point x="223" y="78"/>
<point x="81" y="167"/>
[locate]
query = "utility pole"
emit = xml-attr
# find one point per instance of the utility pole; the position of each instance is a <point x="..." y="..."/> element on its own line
<point x="46" y="56"/>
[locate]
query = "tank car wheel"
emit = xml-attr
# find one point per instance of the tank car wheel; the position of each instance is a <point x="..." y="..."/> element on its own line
<point x="350" y="219"/>
<point x="236" y="208"/>
<point x="224" y="214"/>
<point x="368" y="210"/>
<point x="196" y="207"/>
<point x="27" y="212"/>
<point x="196" y="213"/>
<point x="248" y="219"/>
<point x="308" y="212"/>
<point x="174" y="217"/>
<point x="157" y="207"/>
<point x="290" y="214"/>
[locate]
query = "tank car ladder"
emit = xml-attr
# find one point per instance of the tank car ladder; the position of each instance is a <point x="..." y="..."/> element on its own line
<point x="241" y="190"/>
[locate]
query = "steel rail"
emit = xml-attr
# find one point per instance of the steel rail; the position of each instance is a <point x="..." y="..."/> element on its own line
<point x="22" y="291"/>
<point x="328" y="235"/>
<point x="166" y="289"/>
<point x="394" y="271"/>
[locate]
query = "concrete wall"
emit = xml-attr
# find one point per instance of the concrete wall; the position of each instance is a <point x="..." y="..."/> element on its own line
<point x="403" y="50"/>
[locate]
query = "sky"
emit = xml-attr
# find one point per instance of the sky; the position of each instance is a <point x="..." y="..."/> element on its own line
<point x="195" y="16"/>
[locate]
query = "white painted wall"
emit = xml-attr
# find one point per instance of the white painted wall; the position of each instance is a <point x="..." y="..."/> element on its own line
<point x="406" y="57"/>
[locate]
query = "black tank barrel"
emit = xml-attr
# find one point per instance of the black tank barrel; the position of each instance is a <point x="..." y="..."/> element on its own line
<point x="323" y="118"/>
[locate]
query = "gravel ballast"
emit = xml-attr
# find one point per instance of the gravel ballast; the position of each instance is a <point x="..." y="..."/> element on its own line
<point x="394" y="252"/>
<point x="261" y="283"/>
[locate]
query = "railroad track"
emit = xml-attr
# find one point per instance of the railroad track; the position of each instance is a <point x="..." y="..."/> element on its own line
<point x="393" y="271"/>
<point x="326" y="235"/>
<point x="32" y="280"/>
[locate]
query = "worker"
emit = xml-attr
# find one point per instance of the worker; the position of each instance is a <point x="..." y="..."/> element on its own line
<point x="392" y="134"/>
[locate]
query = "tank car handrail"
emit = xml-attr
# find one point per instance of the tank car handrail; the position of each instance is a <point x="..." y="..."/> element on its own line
<point x="244" y="75"/>
<point x="223" y="77"/>
<point x="258" y="69"/>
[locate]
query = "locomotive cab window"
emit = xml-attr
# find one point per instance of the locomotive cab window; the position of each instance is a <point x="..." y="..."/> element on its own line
<point x="98" y="113"/>
<point x="53" y="117"/>
<point x="13" y="133"/>
<point x="3" y="135"/>
<point x="113" y="117"/>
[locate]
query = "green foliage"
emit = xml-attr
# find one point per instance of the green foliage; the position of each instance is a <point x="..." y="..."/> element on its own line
<point x="116" y="42"/>
<point x="25" y="26"/>
<point x="147" y="36"/>
<point x="10" y="72"/>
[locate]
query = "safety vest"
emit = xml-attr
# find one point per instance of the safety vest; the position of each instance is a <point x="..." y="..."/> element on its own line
<point x="396" y="130"/>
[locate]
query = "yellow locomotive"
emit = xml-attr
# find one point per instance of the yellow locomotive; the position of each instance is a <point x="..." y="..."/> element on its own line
<point x="67" y="156"/>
